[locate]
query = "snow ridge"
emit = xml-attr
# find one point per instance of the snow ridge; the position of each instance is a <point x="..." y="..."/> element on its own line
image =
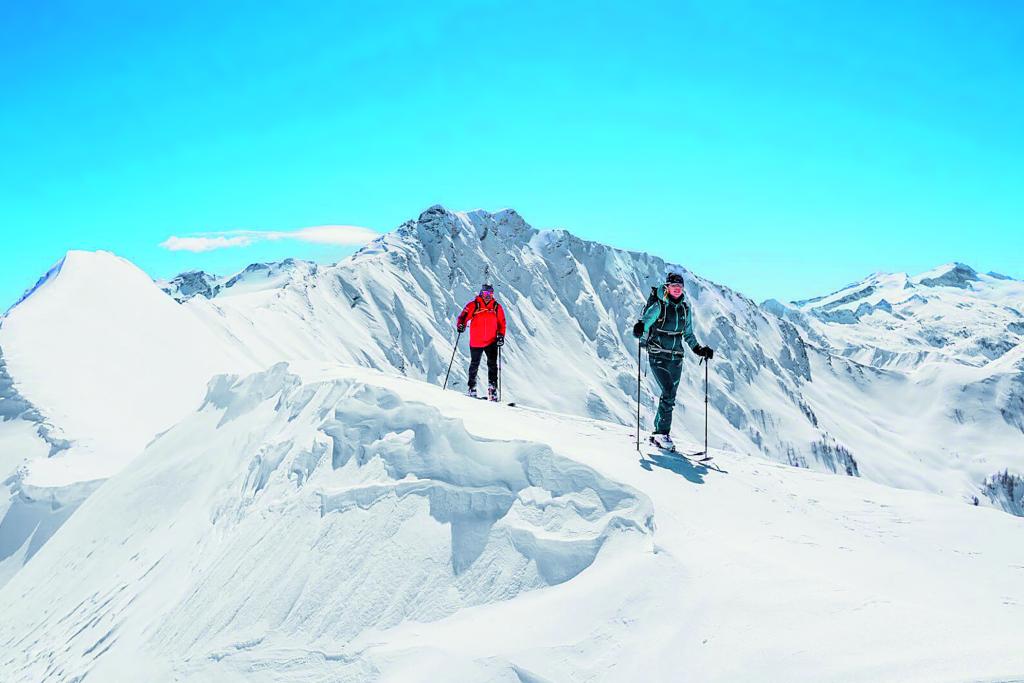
<point x="320" y="522"/>
<point x="353" y="508"/>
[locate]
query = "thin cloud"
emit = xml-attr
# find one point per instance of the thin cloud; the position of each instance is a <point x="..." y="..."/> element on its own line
<point x="205" y="243"/>
<point x="337" y="235"/>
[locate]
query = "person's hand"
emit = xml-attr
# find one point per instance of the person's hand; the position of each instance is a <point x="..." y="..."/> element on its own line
<point x="704" y="352"/>
<point x="461" y="327"/>
<point x="638" y="329"/>
<point x="500" y="340"/>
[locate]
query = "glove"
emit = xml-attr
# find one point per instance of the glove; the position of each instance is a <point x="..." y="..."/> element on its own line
<point x="460" y="328"/>
<point x="704" y="351"/>
<point x="500" y="340"/>
<point x="638" y="329"/>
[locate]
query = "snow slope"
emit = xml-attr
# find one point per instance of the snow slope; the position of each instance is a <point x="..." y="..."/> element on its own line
<point x="570" y="304"/>
<point x="97" y="342"/>
<point x="98" y="360"/>
<point x="94" y="361"/>
<point x="951" y="314"/>
<point x="318" y="522"/>
<point x="867" y="396"/>
<point x="953" y="341"/>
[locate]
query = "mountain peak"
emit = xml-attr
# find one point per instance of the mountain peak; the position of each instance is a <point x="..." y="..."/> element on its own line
<point x="96" y="266"/>
<point x="438" y="223"/>
<point x="952" y="274"/>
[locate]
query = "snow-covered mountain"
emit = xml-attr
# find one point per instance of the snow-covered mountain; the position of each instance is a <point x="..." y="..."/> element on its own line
<point x="955" y="337"/>
<point x="951" y="314"/>
<point x="800" y="384"/>
<point x="275" y="486"/>
<point x="94" y="361"/>
<point x="324" y="523"/>
<point x="98" y="359"/>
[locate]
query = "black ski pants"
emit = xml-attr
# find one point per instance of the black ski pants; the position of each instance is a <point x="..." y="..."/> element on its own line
<point x="667" y="369"/>
<point x="492" y="363"/>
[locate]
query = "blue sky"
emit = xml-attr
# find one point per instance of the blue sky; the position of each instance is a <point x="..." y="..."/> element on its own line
<point x="782" y="148"/>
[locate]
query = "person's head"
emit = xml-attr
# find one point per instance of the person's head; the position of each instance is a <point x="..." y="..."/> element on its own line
<point x="674" y="285"/>
<point x="487" y="291"/>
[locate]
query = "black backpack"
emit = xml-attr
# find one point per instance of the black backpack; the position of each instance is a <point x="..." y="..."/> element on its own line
<point x="477" y="308"/>
<point x="661" y="317"/>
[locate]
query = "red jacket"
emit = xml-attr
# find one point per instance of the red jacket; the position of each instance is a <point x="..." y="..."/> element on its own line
<point x="486" y="321"/>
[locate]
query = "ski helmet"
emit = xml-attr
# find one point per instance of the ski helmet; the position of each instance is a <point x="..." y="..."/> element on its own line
<point x="486" y="288"/>
<point x="674" y="279"/>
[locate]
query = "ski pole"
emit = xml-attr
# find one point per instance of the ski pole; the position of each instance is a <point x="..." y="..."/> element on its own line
<point x="499" y="374"/>
<point x="638" y="364"/>
<point x="454" y="349"/>
<point x="707" y="363"/>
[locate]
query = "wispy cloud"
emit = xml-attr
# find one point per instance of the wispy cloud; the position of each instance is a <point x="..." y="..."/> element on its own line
<point x="204" y="243"/>
<point x="339" y="235"/>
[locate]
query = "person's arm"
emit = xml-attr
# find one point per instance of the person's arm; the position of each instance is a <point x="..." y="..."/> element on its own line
<point x="688" y="330"/>
<point x="702" y="351"/>
<point x="501" y="320"/>
<point x="648" y="316"/>
<point x="652" y="312"/>
<point x="460" y="324"/>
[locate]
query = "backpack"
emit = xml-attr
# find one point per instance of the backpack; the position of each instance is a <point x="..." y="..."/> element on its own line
<point x="477" y="307"/>
<point x="664" y="311"/>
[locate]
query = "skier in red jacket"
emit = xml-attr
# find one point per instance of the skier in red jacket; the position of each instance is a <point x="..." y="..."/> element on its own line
<point x="486" y="319"/>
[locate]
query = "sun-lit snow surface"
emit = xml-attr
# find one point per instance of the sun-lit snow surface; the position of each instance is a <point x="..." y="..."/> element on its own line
<point x="96" y="360"/>
<point x="951" y="344"/>
<point x="570" y="304"/>
<point x="100" y="351"/>
<point x="950" y="314"/>
<point x="853" y="392"/>
<point x="314" y="523"/>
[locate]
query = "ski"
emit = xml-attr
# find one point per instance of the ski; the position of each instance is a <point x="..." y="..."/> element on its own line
<point x="699" y="457"/>
<point x="511" y="404"/>
<point x="695" y="460"/>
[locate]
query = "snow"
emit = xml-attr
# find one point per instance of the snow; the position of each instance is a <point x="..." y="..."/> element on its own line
<point x="103" y="353"/>
<point x="335" y="516"/>
<point x="908" y="385"/>
<point x="326" y="522"/>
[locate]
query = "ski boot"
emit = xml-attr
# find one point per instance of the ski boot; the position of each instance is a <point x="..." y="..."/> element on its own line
<point x="663" y="441"/>
<point x="492" y="392"/>
<point x="471" y="392"/>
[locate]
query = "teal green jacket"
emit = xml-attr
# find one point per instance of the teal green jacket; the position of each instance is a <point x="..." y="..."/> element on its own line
<point x="668" y="324"/>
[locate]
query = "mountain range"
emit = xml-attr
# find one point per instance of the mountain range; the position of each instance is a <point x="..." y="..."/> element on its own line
<point x="287" y="385"/>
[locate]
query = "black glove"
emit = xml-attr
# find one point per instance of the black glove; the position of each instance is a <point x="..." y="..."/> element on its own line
<point x="704" y="351"/>
<point x="461" y="327"/>
<point x="500" y="340"/>
<point x="638" y="329"/>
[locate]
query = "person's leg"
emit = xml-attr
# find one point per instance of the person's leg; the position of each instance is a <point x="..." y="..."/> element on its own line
<point x="492" y="364"/>
<point x="474" y="365"/>
<point x="667" y="370"/>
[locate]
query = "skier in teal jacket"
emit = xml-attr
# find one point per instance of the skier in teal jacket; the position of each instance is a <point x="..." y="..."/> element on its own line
<point x="667" y="324"/>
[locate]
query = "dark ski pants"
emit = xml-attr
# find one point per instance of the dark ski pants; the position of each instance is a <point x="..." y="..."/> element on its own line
<point x="492" y="363"/>
<point x="667" y="369"/>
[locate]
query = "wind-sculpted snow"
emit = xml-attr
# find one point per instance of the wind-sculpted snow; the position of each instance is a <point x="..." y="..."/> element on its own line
<point x="912" y="383"/>
<point x="29" y="515"/>
<point x="570" y="305"/>
<point x="319" y="510"/>
<point x="315" y="522"/>
<point x="16" y="408"/>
